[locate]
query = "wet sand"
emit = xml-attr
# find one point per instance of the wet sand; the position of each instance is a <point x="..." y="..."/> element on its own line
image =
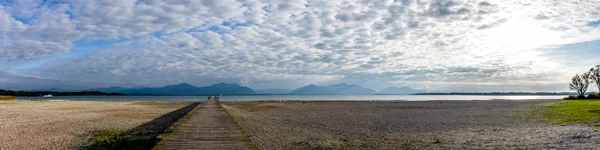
<point x="497" y="124"/>
<point x="69" y="124"/>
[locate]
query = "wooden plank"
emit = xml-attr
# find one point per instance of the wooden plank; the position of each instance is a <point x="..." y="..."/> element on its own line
<point x="208" y="127"/>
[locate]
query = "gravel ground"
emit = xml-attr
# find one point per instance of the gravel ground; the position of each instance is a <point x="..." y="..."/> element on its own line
<point x="68" y="124"/>
<point x="497" y="124"/>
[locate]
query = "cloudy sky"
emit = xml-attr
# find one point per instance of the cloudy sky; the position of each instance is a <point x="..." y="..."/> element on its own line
<point x="437" y="45"/>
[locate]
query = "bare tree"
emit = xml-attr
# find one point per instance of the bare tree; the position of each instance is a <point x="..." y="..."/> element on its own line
<point x="595" y="76"/>
<point x="580" y="83"/>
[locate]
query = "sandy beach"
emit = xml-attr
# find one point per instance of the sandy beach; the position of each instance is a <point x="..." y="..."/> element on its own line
<point x="69" y="124"/>
<point x="493" y="124"/>
<point x="497" y="124"/>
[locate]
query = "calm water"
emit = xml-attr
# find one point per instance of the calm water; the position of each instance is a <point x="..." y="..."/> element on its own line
<point x="290" y="97"/>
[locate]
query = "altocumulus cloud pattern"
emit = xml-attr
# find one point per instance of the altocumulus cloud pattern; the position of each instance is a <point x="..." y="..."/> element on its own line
<point x="468" y="45"/>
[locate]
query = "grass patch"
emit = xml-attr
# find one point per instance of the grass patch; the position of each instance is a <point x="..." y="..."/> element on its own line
<point x="142" y="137"/>
<point x="7" y="98"/>
<point x="172" y="130"/>
<point x="111" y="139"/>
<point x="573" y="112"/>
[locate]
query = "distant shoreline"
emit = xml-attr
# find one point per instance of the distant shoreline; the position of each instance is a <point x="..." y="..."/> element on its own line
<point x="500" y="93"/>
<point x="415" y="94"/>
<point x="41" y="93"/>
<point x="232" y="98"/>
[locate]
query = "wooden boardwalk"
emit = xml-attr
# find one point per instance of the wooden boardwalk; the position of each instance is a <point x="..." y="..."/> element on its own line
<point x="208" y="127"/>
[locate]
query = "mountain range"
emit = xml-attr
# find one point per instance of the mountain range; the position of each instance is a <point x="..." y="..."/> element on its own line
<point x="235" y="89"/>
<point x="336" y="89"/>
<point x="183" y="89"/>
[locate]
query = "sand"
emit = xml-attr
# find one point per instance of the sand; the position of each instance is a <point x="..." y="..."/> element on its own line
<point x="497" y="124"/>
<point x="69" y="124"/>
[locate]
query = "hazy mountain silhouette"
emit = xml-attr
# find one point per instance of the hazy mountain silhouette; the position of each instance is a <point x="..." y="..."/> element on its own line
<point x="53" y="90"/>
<point x="400" y="91"/>
<point x="182" y="89"/>
<point x="114" y="89"/>
<point x="336" y="89"/>
<point x="273" y="91"/>
<point x="224" y="88"/>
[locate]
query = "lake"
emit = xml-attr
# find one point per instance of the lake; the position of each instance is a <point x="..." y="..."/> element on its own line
<point x="295" y="97"/>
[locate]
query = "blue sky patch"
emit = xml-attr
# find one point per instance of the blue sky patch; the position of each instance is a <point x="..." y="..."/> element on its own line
<point x="594" y="23"/>
<point x="80" y="47"/>
<point x="584" y="48"/>
<point x="576" y="54"/>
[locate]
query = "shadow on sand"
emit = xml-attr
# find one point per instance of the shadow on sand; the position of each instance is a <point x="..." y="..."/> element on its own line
<point x="142" y="137"/>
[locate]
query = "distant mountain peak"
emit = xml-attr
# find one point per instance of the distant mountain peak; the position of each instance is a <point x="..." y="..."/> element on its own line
<point x="343" y="84"/>
<point x="185" y="89"/>
<point x="336" y="89"/>
<point x="184" y="84"/>
<point x="225" y="84"/>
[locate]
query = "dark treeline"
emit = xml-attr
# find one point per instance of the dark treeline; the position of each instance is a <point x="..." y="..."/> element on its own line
<point x="499" y="93"/>
<point x="40" y="93"/>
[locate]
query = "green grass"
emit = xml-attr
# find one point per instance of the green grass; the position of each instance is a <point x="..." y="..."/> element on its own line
<point x="143" y="137"/>
<point x="573" y="112"/>
<point x="174" y="128"/>
<point x="7" y="98"/>
<point x="112" y="139"/>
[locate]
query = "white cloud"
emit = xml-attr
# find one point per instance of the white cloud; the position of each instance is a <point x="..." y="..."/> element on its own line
<point x="300" y="41"/>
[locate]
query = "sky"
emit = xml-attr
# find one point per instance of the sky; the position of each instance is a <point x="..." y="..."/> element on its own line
<point x="434" y="45"/>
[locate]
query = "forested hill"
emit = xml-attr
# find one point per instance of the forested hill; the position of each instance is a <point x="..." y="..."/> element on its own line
<point x="40" y="93"/>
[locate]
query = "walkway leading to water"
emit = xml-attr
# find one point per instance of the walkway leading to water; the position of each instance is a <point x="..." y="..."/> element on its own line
<point x="208" y="127"/>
